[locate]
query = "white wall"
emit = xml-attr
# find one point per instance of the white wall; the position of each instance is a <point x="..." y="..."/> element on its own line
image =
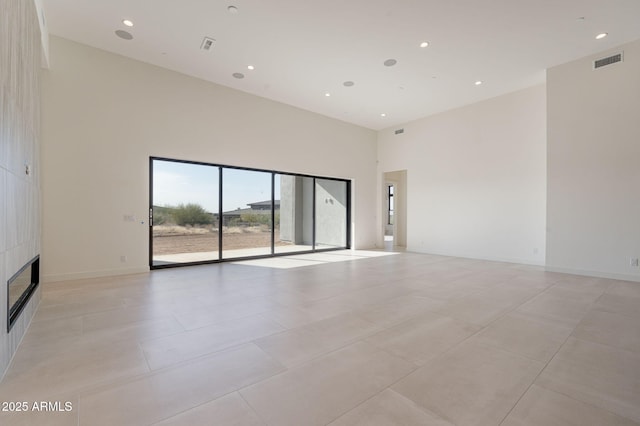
<point x="104" y="115"/>
<point x="19" y="147"/>
<point x="475" y="178"/>
<point x="594" y="166"/>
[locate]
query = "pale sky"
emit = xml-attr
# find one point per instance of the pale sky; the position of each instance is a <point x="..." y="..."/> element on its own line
<point x="182" y="183"/>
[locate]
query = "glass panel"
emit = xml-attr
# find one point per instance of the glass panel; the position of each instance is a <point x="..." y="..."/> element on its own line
<point x="185" y="212"/>
<point x="18" y="286"/>
<point x="390" y="221"/>
<point x="331" y="213"/>
<point x="294" y="218"/>
<point x="246" y="205"/>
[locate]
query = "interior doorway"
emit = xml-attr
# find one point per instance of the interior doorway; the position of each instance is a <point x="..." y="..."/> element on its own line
<point x="394" y="209"/>
<point x="389" y="227"/>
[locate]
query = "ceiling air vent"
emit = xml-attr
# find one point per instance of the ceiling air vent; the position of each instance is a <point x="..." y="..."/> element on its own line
<point x="599" y="63"/>
<point x="207" y="43"/>
<point x="399" y="131"/>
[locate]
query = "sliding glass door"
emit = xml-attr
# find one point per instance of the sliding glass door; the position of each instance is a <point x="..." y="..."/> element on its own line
<point x="246" y="213"/>
<point x="184" y="212"/>
<point x="294" y="223"/>
<point x="202" y="213"/>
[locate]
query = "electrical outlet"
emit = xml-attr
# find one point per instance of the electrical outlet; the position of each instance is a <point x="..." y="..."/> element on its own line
<point x="123" y="259"/>
<point x="633" y="261"/>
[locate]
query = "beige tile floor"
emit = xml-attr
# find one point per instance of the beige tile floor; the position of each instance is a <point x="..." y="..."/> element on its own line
<point x="341" y="338"/>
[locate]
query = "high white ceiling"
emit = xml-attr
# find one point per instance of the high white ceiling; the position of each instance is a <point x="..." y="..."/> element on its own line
<point x="303" y="49"/>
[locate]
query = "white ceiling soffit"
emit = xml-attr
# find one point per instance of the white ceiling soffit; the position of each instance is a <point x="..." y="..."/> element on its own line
<point x="304" y="51"/>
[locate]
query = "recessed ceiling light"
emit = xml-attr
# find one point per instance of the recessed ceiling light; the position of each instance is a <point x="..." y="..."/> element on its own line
<point x="601" y="36"/>
<point x="238" y="75"/>
<point x="478" y="83"/>
<point x="348" y="83"/>
<point x="383" y="115"/>
<point x="124" y="35"/>
<point x="424" y="44"/>
<point x="250" y="67"/>
<point x="127" y="22"/>
<point x="390" y="62"/>
<point x="233" y="10"/>
<point x="327" y="94"/>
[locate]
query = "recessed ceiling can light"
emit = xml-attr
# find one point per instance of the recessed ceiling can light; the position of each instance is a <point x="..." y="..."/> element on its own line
<point x="424" y="44"/>
<point x="127" y="22"/>
<point x="238" y="75"/>
<point x="327" y="94"/>
<point x="232" y="10"/>
<point x="390" y="62"/>
<point x="601" y="36"/>
<point x="348" y="83"/>
<point x="383" y="115"/>
<point x="250" y="67"/>
<point x="478" y="83"/>
<point x="124" y="35"/>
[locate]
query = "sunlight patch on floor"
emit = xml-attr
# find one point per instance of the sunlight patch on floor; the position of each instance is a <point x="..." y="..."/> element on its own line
<point x="310" y="259"/>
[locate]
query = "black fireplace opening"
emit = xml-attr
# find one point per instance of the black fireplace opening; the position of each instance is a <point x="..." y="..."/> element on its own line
<point x="20" y="288"/>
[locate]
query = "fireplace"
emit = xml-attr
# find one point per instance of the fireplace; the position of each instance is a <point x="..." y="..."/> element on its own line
<point x="20" y="288"/>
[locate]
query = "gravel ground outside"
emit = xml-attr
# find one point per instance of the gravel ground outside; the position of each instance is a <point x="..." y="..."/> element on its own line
<point x="192" y="241"/>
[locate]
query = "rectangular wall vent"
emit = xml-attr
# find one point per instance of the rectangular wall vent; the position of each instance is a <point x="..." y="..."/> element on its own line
<point x="599" y="63"/>
<point x="207" y="43"/>
<point x="399" y="131"/>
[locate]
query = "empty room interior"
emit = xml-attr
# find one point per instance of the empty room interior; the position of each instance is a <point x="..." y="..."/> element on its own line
<point x="284" y="212"/>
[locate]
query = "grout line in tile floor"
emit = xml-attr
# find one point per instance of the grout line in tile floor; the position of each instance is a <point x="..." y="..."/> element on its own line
<point x="555" y="353"/>
<point x="253" y="410"/>
<point x="452" y="348"/>
<point x="146" y="359"/>
<point x="536" y="378"/>
<point x="568" y="395"/>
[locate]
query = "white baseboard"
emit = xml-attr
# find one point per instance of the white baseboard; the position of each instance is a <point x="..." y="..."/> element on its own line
<point x="597" y="274"/>
<point x="94" y="274"/>
<point x="487" y="258"/>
